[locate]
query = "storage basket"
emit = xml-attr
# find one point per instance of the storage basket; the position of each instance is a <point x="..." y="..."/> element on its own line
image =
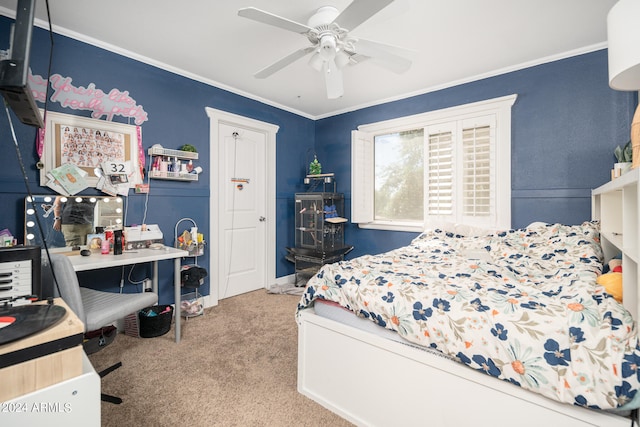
<point x="192" y="276"/>
<point x="191" y="305"/>
<point x="192" y="242"/>
<point x="155" y="326"/>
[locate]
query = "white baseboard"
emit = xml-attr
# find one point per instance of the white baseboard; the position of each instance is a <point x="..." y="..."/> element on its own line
<point x="284" y="280"/>
<point x="209" y="301"/>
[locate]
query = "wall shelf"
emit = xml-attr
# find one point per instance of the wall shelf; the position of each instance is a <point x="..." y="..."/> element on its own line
<point x="173" y="176"/>
<point x="167" y="152"/>
<point x="164" y="154"/>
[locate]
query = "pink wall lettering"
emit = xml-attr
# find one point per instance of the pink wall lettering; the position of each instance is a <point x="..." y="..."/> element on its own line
<point x="114" y="103"/>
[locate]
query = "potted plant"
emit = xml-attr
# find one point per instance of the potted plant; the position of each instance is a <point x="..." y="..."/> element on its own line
<point x="624" y="159"/>
<point x="315" y="168"/>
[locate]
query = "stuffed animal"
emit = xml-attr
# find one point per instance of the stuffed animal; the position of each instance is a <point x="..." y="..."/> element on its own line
<point x="615" y="265"/>
<point x="612" y="281"/>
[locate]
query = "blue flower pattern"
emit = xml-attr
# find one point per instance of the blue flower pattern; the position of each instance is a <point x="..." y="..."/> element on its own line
<point x="554" y="355"/>
<point x="535" y="295"/>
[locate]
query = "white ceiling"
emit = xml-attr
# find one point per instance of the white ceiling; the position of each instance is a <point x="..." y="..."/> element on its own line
<point x="454" y="41"/>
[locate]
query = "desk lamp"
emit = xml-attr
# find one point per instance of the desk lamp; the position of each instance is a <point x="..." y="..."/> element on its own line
<point x="623" y="31"/>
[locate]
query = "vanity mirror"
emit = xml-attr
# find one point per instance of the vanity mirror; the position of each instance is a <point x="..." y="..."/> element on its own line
<point x="66" y="221"/>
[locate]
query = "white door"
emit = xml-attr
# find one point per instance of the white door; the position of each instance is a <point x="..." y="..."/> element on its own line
<point x="242" y="185"/>
<point x="243" y="210"/>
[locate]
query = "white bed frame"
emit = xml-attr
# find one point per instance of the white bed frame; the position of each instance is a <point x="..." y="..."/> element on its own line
<point x="373" y="381"/>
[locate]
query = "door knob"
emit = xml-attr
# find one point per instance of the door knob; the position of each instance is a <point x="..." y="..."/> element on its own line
<point x="262" y="219"/>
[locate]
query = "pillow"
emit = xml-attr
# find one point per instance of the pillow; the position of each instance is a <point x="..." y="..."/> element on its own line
<point x="612" y="283"/>
<point x="472" y="231"/>
<point x="537" y="224"/>
<point x="461" y="229"/>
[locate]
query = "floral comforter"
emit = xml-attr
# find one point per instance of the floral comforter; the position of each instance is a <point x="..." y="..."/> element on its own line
<point x="520" y="305"/>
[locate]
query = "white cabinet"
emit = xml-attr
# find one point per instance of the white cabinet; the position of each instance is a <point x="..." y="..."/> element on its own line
<point x="74" y="402"/>
<point x="615" y="204"/>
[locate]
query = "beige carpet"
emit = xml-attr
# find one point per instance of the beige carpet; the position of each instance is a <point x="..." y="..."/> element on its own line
<point x="235" y="366"/>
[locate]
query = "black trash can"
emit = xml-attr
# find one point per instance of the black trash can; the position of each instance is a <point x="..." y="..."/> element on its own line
<point x="155" y="321"/>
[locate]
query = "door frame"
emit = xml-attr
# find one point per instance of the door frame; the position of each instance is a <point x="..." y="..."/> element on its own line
<point x="217" y="117"/>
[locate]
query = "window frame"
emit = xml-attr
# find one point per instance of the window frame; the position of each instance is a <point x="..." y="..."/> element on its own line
<point x="363" y="168"/>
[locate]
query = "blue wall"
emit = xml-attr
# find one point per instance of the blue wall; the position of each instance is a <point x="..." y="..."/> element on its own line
<point x="176" y="109"/>
<point x="566" y="123"/>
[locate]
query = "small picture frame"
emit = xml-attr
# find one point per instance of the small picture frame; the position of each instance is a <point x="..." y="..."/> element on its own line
<point x="94" y="241"/>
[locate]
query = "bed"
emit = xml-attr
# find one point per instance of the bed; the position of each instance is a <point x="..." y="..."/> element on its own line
<point x="504" y="328"/>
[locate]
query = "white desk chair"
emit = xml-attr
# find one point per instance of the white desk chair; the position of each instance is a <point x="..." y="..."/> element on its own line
<point x="95" y="308"/>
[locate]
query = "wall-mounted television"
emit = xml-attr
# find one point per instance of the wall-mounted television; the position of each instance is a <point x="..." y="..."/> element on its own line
<point x="14" y="71"/>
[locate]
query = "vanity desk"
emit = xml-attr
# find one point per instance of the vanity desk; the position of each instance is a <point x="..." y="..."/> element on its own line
<point x="138" y="256"/>
<point x="98" y="213"/>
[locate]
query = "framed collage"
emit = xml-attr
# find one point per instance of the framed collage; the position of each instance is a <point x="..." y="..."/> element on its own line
<point x="89" y="144"/>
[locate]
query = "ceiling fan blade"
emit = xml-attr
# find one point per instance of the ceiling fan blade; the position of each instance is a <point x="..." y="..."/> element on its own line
<point x="280" y="64"/>
<point x="387" y="56"/>
<point x="275" y="20"/>
<point x="333" y="79"/>
<point x="359" y="11"/>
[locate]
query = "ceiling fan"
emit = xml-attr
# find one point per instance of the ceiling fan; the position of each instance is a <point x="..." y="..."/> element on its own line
<point x="332" y="47"/>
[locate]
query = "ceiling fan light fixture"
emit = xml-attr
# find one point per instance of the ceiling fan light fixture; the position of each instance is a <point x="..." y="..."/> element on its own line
<point x="316" y="62"/>
<point x="342" y="59"/>
<point x="328" y="47"/>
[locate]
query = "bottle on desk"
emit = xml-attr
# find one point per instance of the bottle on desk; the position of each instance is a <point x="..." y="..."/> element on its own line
<point x="105" y="246"/>
<point x="117" y="242"/>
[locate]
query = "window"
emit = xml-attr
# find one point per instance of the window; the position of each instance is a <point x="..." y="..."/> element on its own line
<point x="399" y="176"/>
<point x="448" y="165"/>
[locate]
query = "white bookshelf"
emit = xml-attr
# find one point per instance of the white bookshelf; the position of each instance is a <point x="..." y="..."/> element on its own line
<point x="615" y="204"/>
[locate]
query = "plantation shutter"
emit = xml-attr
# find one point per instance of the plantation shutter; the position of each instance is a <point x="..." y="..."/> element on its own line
<point x="362" y="177"/>
<point x="477" y="187"/>
<point x="439" y="172"/>
<point x="466" y="165"/>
